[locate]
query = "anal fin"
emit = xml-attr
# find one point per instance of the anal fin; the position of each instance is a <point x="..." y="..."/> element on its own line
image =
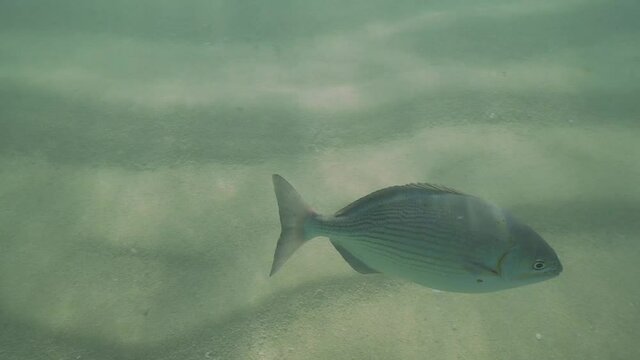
<point x="356" y="264"/>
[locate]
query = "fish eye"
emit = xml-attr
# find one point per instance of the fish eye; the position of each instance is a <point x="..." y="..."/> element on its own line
<point x="538" y="265"/>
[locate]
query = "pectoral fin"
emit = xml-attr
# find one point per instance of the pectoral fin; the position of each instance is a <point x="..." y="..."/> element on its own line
<point x="481" y="269"/>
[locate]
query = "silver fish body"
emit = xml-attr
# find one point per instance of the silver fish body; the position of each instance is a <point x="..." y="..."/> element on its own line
<point x="432" y="235"/>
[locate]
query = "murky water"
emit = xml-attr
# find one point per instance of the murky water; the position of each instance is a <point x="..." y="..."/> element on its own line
<point x="138" y="139"/>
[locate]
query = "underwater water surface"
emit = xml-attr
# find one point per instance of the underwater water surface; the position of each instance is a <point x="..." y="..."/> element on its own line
<point x="138" y="139"/>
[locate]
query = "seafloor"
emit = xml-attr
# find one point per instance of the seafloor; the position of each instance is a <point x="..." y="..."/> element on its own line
<point x="138" y="139"/>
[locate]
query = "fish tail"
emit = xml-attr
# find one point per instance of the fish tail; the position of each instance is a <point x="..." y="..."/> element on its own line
<point x="294" y="213"/>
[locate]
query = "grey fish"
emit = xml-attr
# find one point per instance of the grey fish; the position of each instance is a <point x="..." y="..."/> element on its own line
<point x="432" y="235"/>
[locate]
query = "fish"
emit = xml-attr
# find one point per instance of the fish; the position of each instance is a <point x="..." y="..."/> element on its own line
<point x="431" y="235"/>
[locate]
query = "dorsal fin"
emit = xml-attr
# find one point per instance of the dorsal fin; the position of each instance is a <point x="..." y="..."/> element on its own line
<point x="393" y="191"/>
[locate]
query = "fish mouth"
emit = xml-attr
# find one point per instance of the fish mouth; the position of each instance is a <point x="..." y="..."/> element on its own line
<point x="554" y="272"/>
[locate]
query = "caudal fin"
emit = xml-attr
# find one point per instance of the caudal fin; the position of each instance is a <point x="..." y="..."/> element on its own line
<point x="293" y="214"/>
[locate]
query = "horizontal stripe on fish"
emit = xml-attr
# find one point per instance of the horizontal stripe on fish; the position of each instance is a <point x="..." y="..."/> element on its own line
<point x="394" y="194"/>
<point x="417" y="222"/>
<point x="395" y="215"/>
<point x="430" y="245"/>
<point x="403" y="257"/>
<point x="420" y="230"/>
<point x="402" y="260"/>
<point x="436" y="235"/>
<point x="420" y="217"/>
<point x="422" y="268"/>
<point x="401" y="207"/>
<point x="430" y="255"/>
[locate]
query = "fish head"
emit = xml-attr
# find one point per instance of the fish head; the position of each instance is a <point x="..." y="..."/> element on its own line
<point x="529" y="259"/>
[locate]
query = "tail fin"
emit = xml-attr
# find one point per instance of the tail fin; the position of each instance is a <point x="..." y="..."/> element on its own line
<point x="293" y="213"/>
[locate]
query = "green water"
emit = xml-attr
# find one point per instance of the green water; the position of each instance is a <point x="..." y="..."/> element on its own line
<point x="138" y="139"/>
